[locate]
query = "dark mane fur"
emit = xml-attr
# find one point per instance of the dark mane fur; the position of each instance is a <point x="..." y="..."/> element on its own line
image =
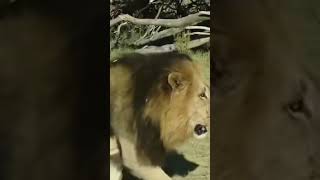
<point x="148" y="71"/>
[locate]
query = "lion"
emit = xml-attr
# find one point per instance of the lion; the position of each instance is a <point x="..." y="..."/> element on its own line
<point x="266" y="89"/>
<point x="115" y="160"/>
<point x="157" y="102"/>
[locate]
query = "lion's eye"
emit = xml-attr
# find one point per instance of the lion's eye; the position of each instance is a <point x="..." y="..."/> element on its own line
<point x="296" y="106"/>
<point x="203" y="95"/>
<point x="300" y="107"/>
<point x="297" y="109"/>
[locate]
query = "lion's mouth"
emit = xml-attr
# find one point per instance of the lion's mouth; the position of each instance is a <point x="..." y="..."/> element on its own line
<point x="200" y="131"/>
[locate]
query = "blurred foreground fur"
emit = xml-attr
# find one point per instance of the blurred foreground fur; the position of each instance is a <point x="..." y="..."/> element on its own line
<point x="52" y="94"/>
<point x="115" y="160"/>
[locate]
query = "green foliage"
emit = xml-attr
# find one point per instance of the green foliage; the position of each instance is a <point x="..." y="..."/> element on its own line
<point x="202" y="58"/>
<point x="117" y="53"/>
<point x="182" y="40"/>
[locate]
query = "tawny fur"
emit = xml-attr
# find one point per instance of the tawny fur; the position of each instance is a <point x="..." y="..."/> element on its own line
<point x="115" y="160"/>
<point x="155" y="104"/>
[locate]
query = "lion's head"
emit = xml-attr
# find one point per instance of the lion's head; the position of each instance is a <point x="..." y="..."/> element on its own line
<point x="179" y="104"/>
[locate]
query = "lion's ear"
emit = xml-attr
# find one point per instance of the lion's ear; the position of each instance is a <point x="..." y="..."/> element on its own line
<point x="177" y="81"/>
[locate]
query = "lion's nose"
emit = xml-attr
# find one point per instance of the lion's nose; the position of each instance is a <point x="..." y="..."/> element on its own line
<point x="200" y="129"/>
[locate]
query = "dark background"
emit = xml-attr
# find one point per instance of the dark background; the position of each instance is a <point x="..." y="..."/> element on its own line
<point x="265" y="58"/>
<point x="53" y="90"/>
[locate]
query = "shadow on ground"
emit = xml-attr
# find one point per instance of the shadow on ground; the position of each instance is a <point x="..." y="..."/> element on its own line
<point x="175" y="164"/>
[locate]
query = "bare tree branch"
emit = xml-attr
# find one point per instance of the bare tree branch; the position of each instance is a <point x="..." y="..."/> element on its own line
<point x="198" y="42"/>
<point x="199" y="27"/>
<point x="119" y="28"/>
<point x="160" y="35"/>
<point x="170" y="32"/>
<point x="172" y="47"/>
<point x="159" y="11"/>
<point x="157" y="49"/>
<point x="198" y="33"/>
<point x="181" y="22"/>
<point x="151" y="29"/>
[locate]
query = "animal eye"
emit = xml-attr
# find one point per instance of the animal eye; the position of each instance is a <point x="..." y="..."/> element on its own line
<point x="298" y="110"/>
<point x="296" y="106"/>
<point x="300" y="107"/>
<point x="203" y="95"/>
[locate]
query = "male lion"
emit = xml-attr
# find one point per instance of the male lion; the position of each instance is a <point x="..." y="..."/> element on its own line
<point x="266" y="90"/>
<point x="157" y="102"/>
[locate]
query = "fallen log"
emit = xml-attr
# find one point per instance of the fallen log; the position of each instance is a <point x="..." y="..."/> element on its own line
<point x="172" y="47"/>
<point x="181" y="22"/>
